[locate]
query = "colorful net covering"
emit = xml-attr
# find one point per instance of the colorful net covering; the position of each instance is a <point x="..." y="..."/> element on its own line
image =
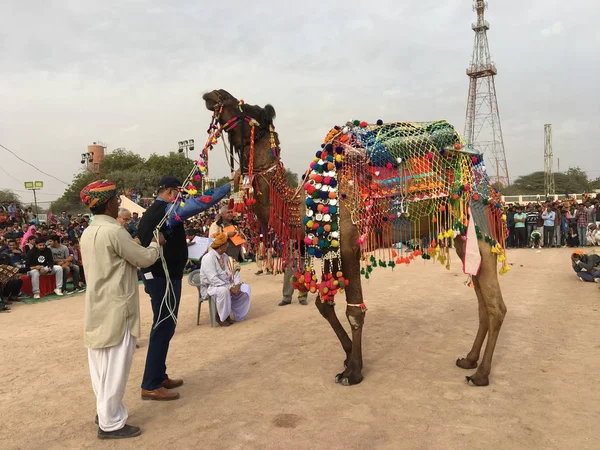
<point x="408" y="187"/>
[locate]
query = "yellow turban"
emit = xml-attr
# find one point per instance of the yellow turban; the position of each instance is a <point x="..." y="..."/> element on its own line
<point x="220" y="239"/>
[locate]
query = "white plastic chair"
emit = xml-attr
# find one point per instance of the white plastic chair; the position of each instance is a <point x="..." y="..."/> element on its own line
<point x="194" y="280"/>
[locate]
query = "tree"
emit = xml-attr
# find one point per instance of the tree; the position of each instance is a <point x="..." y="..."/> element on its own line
<point x="7" y="196"/>
<point x="174" y="164"/>
<point x="141" y="178"/>
<point x="120" y="159"/>
<point x="222" y="181"/>
<point x="70" y="200"/>
<point x="573" y="181"/>
<point x="291" y="178"/>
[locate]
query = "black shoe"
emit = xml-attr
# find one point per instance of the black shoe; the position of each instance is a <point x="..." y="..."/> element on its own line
<point x="303" y="301"/>
<point x="128" y="431"/>
<point x="259" y="272"/>
<point x="284" y="302"/>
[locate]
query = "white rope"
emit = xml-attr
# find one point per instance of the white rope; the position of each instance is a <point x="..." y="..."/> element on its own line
<point x="169" y="299"/>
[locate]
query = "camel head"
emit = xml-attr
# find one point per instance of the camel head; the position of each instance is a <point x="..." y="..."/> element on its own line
<point x="239" y="136"/>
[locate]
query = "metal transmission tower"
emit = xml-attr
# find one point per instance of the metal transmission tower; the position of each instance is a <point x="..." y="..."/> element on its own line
<point x="482" y="126"/>
<point x="548" y="161"/>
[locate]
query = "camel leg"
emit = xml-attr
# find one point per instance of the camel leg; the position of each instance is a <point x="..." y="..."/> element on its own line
<point x="327" y="310"/>
<point x="495" y="310"/>
<point x="353" y="373"/>
<point x="470" y="361"/>
<point x="350" y="256"/>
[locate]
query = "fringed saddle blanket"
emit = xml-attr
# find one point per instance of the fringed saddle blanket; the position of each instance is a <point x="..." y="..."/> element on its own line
<point x="410" y="189"/>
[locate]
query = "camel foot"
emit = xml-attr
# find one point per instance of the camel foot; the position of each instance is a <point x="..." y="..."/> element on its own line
<point x="478" y="380"/>
<point x="348" y="379"/>
<point x="464" y="363"/>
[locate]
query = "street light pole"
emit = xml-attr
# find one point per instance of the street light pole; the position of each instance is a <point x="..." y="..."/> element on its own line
<point x="87" y="158"/>
<point x="187" y="146"/>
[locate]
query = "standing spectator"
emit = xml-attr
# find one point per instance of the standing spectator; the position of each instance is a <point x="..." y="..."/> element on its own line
<point x="510" y="224"/>
<point x="582" y="223"/>
<point x="40" y="262"/>
<point x="12" y="211"/>
<point x="557" y="226"/>
<point x="225" y="221"/>
<point x="64" y="219"/>
<point x="548" y="217"/>
<point x="521" y="233"/>
<point x="564" y="228"/>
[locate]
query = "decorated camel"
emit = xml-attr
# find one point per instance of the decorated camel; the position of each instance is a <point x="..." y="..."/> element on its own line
<point x="375" y="195"/>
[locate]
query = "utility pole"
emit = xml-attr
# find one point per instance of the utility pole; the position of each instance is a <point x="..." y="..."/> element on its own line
<point x="34" y="186"/>
<point x="482" y="125"/>
<point x="548" y="161"/>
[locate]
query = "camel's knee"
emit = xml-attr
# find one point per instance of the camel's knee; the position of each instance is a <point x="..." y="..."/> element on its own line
<point x="356" y="317"/>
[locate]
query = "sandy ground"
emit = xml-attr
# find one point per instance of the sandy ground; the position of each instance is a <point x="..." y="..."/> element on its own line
<point x="267" y="383"/>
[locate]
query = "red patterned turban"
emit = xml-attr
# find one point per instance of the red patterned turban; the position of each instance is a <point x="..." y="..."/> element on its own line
<point x="97" y="193"/>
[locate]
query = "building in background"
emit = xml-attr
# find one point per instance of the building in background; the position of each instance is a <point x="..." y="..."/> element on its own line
<point x="95" y="154"/>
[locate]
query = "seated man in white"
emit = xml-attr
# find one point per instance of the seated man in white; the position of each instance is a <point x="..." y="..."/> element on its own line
<point x="40" y="262"/>
<point x="220" y="279"/>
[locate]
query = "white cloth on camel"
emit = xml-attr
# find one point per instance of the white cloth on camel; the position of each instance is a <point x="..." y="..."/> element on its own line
<point x="109" y="370"/>
<point x="216" y="277"/>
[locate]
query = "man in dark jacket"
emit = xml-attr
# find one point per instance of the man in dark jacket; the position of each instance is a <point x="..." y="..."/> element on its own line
<point x="40" y="262"/>
<point x="586" y="266"/>
<point x="156" y="382"/>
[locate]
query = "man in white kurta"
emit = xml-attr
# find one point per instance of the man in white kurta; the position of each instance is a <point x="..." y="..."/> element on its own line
<point x="112" y="311"/>
<point x="220" y="279"/>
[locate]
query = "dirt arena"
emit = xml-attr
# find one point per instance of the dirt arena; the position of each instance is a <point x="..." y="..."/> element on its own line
<point x="267" y="383"/>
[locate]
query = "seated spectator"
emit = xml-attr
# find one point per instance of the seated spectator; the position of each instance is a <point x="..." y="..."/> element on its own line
<point x="40" y="262"/>
<point x="31" y="231"/>
<point x="30" y="244"/>
<point x="75" y="250"/>
<point x="587" y="267"/>
<point x="10" y="283"/>
<point x="220" y="279"/>
<point x="15" y="255"/>
<point x="62" y="257"/>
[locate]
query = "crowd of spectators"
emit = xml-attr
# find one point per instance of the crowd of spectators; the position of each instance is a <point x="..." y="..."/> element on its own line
<point x="557" y="223"/>
<point x="35" y="249"/>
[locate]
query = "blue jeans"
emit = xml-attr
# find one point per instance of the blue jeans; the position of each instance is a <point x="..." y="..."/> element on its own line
<point x="160" y="337"/>
<point x="581" y="233"/>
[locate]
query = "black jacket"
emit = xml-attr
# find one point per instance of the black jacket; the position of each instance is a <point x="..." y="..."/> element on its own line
<point x="175" y="249"/>
<point x="39" y="258"/>
<point x="589" y="262"/>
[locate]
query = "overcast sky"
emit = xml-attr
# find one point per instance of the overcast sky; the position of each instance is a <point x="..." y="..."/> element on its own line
<point x="131" y="73"/>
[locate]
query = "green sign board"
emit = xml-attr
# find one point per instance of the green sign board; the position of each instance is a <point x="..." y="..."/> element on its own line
<point x="34" y="184"/>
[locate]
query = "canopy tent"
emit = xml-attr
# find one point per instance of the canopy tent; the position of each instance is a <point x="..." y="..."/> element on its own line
<point x="131" y="206"/>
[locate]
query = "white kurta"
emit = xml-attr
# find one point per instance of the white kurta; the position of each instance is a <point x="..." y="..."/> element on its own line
<point x="216" y="278"/>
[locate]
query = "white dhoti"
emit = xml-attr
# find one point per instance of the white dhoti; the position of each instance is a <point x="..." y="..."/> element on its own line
<point x="228" y="303"/>
<point x="109" y="370"/>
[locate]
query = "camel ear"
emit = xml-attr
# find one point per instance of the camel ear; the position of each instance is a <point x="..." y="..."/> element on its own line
<point x="269" y="113"/>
